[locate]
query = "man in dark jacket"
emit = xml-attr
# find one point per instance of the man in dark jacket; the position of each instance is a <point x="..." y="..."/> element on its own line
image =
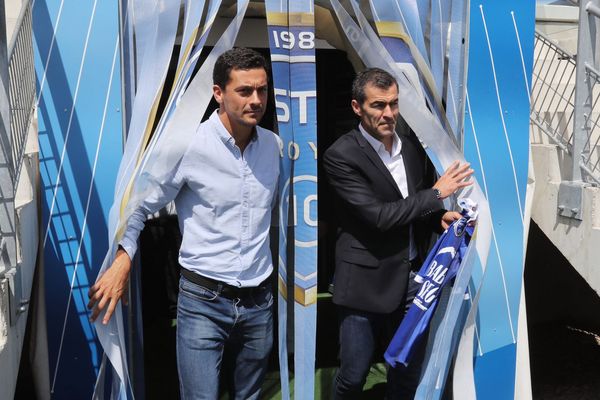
<point x="387" y="206"/>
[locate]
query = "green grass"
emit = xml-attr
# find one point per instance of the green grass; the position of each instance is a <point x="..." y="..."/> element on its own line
<point x="326" y="360"/>
<point x="374" y="387"/>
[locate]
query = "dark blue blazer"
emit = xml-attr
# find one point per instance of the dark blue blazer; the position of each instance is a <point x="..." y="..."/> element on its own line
<point x="372" y="246"/>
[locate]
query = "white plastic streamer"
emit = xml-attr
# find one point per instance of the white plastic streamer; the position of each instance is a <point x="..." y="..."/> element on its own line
<point x="458" y="48"/>
<point x="428" y="128"/>
<point x="179" y="129"/>
<point x="152" y="72"/>
<point x="163" y="25"/>
<point x="407" y="69"/>
<point x="171" y="145"/>
<point x="424" y="7"/>
<point x="186" y="66"/>
<point x="144" y="15"/>
<point x="391" y="18"/>
<point x="412" y="23"/>
<point x="440" y="14"/>
<point x="188" y="62"/>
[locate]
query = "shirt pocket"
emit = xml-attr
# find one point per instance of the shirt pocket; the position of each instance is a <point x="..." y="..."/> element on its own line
<point x="263" y="190"/>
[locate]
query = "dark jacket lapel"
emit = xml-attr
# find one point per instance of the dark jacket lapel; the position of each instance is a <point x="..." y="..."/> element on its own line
<point x="375" y="159"/>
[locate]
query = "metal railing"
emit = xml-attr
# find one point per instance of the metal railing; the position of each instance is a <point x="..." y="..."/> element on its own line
<point x="553" y="104"/>
<point x="22" y="85"/>
<point x="553" y="91"/>
<point x="590" y="156"/>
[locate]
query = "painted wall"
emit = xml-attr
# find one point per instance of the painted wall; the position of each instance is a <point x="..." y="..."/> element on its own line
<point x="80" y="137"/>
<point x="497" y="143"/>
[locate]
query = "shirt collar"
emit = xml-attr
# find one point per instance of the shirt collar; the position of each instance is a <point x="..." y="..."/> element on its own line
<point x="224" y="134"/>
<point x="378" y="145"/>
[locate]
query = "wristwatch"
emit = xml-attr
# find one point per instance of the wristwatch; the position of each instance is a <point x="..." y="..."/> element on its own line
<point x="437" y="192"/>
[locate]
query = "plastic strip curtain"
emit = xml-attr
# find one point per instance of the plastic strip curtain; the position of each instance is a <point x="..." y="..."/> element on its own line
<point x="292" y="44"/>
<point x="411" y="18"/>
<point x="185" y="67"/>
<point x="157" y="37"/>
<point x="391" y="23"/>
<point x="278" y="27"/>
<point x="440" y="14"/>
<point x="458" y="48"/>
<point x="168" y="146"/>
<point x="445" y="341"/>
<point x="393" y="38"/>
<point x="443" y="151"/>
<point x="190" y="52"/>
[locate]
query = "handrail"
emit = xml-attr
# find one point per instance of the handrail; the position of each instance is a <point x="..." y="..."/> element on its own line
<point x="21" y="85"/>
<point x="551" y="108"/>
<point x="562" y="50"/>
<point x="20" y="18"/>
<point x="553" y="104"/>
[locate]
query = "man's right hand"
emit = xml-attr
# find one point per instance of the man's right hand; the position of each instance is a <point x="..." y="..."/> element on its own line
<point x="110" y="288"/>
<point x="454" y="179"/>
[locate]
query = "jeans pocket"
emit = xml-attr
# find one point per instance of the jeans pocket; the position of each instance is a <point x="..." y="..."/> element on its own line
<point x="196" y="292"/>
<point x="262" y="297"/>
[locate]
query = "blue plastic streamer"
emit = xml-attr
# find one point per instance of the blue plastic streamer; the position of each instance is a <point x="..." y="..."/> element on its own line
<point x="303" y="93"/>
<point x="278" y="28"/>
<point x="292" y="45"/>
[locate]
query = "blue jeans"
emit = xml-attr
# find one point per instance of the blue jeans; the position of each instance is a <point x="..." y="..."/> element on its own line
<point x="361" y="334"/>
<point x="207" y="324"/>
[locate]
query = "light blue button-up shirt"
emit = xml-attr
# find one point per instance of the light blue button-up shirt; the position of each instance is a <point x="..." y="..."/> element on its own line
<point x="223" y="200"/>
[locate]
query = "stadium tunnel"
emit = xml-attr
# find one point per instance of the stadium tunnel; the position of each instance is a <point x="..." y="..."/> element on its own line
<point x="155" y="282"/>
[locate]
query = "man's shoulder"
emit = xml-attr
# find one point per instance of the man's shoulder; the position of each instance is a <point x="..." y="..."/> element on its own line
<point x="203" y="128"/>
<point x="343" y="144"/>
<point x="267" y="135"/>
<point x="269" y="141"/>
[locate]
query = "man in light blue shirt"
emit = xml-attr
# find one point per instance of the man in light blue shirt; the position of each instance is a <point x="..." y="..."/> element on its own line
<point x="224" y="188"/>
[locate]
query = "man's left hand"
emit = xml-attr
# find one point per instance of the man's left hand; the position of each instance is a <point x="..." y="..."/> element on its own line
<point x="449" y="217"/>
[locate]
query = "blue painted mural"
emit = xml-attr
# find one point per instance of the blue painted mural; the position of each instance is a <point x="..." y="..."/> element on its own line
<point x="497" y="143"/>
<point x="79" y="99"/>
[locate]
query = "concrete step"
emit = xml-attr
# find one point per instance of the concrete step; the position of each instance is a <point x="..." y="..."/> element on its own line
<point x="578" y="241"/>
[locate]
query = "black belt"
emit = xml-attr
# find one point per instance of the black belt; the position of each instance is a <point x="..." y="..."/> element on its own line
<point x="221" y="288"/>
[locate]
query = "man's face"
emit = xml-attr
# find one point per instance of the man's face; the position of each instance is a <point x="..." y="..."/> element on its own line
<point x="244" y="98"/>
<point x="379" y="112"/>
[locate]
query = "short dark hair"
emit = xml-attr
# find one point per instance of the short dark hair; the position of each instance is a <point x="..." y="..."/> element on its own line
<point x="238" y="58"/>
<point x="373" y="76"/>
